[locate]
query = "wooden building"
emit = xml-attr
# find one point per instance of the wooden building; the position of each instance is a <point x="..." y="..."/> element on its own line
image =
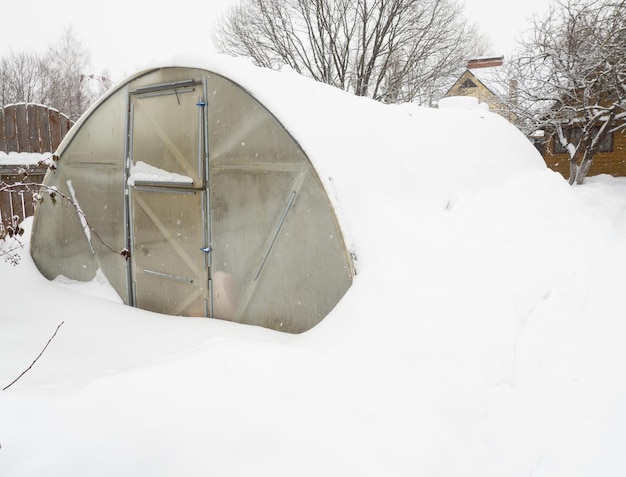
<point x="611" y="159"/>
<point x="483" y="79"/>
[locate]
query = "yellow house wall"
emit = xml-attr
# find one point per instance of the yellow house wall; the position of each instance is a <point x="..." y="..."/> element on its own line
<point x="479" y="92"/>
<point x="613" y="163"/>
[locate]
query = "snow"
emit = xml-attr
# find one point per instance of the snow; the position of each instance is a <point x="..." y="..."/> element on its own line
<point x="461" y="102"/>
<point x="483" y="334"/>
<point x="81" y="214"/>
<point x="22" y="158"/>
<point x="148" y="173"/>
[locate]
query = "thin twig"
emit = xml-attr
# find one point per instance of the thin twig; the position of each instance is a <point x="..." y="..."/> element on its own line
<point x="32" y="364"/>
<point x="50" y="163"/>
<point x="52" y="191"/>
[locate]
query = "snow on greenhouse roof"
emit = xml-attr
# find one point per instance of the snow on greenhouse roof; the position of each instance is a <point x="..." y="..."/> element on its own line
<point x="339" y="131"/>
<point x="356" y="143"/>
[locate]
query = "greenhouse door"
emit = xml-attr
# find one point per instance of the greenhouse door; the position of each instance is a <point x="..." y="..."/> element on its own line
<point x="167" y="201"/>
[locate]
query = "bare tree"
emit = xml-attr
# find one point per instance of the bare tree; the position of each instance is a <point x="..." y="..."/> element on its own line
<point x="69" y="61"/>
<point x="57" y="78"/>
<point x="572" y="77"/>
<point x="389" y="50"/>
<point x="23" y="78"/>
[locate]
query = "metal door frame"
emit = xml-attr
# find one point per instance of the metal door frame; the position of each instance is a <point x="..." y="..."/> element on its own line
<point x="161" y="89"/>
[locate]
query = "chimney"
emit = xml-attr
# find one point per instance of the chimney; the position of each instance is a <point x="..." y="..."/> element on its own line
<point x="485" y="62"/>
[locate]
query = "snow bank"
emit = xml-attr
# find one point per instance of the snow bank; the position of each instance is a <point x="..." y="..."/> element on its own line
<point x="482" y="336"/>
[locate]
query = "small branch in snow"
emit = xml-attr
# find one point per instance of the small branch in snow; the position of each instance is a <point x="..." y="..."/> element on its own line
<point x="36" y="359"/>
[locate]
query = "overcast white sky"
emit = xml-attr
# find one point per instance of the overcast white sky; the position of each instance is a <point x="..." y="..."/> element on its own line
<point x="122" y="35"/>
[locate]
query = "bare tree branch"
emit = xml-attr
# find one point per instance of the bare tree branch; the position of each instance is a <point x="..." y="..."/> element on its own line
<point x="12" y="228"/>
<point x="56" y="78"/>
<point x="35" y="360"/>
<point x="572" y="76"/>
<point x="389" y="50"/>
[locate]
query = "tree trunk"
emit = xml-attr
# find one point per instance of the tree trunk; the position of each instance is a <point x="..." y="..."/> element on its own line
<point x="583" y="169"/>
<point x="573" y="170"/>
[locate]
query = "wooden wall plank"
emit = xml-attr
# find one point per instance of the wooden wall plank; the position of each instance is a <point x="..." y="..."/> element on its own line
<point x="5" y="206"/>
<point x="23" y="133"/>
<point x="3" y="142"/>
<point x="34" y="131"/>
<point x="10" y="128"/>
<point x="55" y="128"/>
<point x="66" y="125"/>
<point x="44" y="129"/>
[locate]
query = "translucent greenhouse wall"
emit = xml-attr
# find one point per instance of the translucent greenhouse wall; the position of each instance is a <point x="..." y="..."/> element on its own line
<point x="220" y="208"/>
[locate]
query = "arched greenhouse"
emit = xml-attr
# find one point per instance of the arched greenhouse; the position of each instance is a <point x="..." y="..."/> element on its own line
<point x="216" y="206"/>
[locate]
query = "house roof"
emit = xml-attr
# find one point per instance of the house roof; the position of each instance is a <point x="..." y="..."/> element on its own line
<point x="485" y="72"/>
<point x="491" y="78"/>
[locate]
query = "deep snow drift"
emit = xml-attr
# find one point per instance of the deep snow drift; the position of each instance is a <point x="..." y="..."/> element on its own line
<point x="483" y="334"/>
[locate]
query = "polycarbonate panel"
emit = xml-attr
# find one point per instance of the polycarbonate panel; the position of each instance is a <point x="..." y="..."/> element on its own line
<point x="241" y="131"/>
<point x="59" y="245"/>
<point x="166" y="132"/>
<point x="171" y="297"/>
<point x="170" y="271"/>
<point x="245" y="207"/>
<point x="93" y="164"/>
<point x="278" y="257"/>
<point x="306" y="272"/>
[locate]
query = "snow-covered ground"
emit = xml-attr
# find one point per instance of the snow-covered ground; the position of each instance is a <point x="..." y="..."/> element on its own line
<point x="483" y="335"/>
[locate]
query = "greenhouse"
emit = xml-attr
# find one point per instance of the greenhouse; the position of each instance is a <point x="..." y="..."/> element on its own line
<point x="192" y="199"/>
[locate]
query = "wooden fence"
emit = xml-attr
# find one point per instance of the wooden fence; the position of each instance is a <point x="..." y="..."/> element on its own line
<point x="31" y="128"/>
<point x="26" y="128"/>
